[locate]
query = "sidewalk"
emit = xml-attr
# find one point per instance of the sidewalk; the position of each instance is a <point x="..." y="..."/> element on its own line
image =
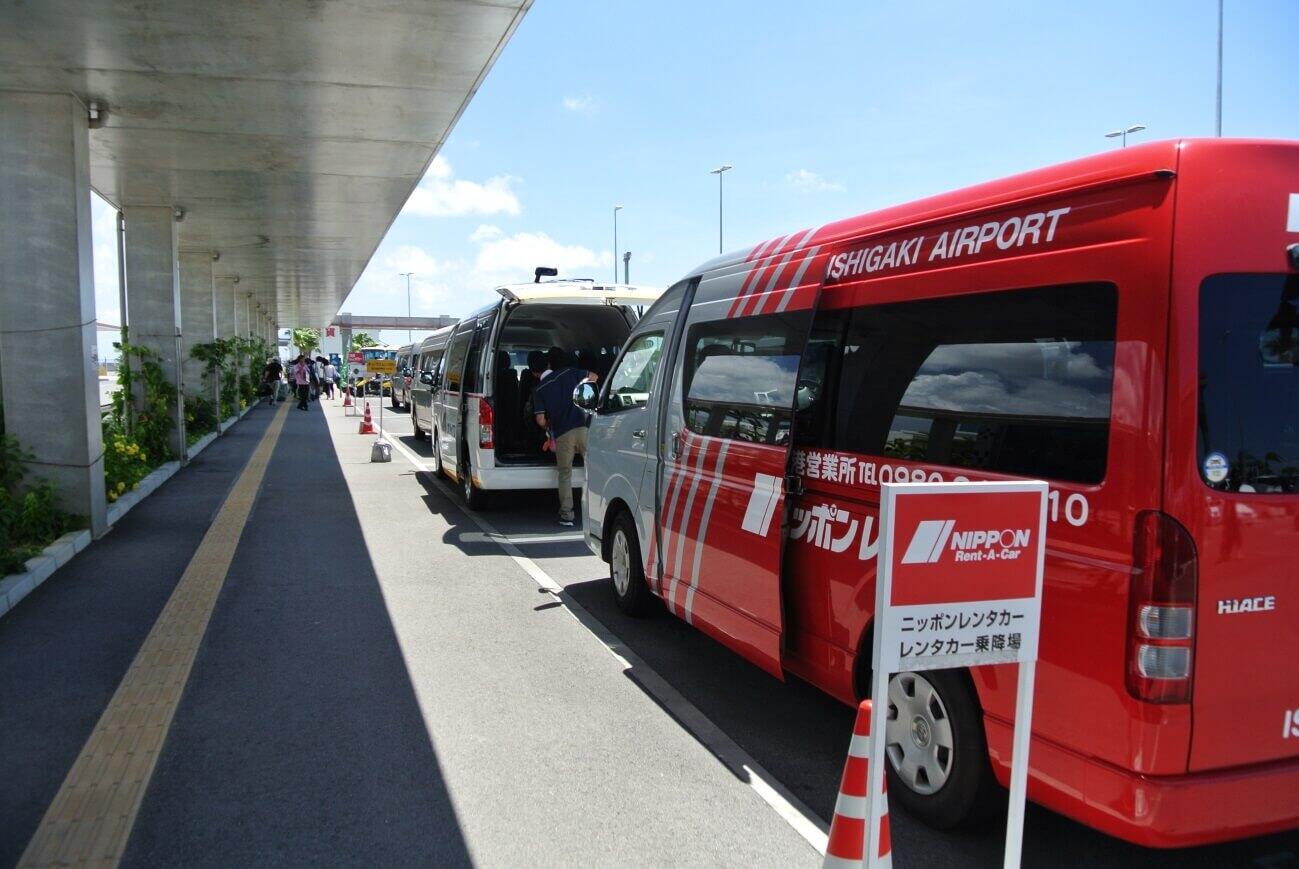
<point x="377" y="685"/>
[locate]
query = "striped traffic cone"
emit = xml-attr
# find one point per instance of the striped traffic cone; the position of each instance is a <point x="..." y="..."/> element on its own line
<point x="849" y="837"/>
<point x="367" y="427"/>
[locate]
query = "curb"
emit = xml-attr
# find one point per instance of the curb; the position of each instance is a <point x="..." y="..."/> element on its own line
<point x="123" y="505"/>
<point x="199" y="445"/>
<point x="17" y="586"/>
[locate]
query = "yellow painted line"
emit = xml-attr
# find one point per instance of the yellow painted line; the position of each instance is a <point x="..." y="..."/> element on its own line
<point x="90" y="818"/>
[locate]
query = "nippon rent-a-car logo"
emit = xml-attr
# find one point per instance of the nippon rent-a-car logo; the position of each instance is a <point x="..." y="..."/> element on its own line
<point x="933" y="537"/>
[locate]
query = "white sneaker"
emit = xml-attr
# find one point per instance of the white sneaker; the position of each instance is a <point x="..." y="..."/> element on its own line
<point x="567" y="523"/>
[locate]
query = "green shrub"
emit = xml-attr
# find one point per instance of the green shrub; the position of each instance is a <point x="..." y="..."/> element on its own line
<point x="126" y="461"/>
<point x="29" y="519"/>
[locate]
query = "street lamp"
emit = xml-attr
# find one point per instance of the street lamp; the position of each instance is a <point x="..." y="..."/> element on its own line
<point x="718" y="172"/>
<point x="407" y="275"/>
<point x="1217" y="126"/>
<point x="616" y="209"/>
<point x="1135" y="128"/>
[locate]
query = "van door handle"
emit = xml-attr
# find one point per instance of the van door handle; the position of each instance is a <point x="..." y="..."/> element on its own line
<point x="676" y="444"/>
<point x="639" y="434"/>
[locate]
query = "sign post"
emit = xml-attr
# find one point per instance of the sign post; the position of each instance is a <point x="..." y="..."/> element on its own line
<point x="381" y="452"/>
<point x="959" y="585"/>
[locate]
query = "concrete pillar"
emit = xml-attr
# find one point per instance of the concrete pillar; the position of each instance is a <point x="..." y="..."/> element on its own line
<point x="153" y="297"/>
<point x="48" y="351"/>
<point x="224" y="288"/>
<point x="197" y="319"/>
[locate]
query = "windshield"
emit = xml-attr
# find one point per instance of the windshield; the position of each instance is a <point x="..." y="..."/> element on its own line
<point x="1249" y="383"/>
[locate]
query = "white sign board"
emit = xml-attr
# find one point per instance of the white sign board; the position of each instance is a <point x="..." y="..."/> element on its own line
<point x="959" y="584"/>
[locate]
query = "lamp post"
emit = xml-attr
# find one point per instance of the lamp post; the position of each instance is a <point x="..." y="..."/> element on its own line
<point x="1135" y="128"/>
<point x="407" y="275"/>
<point x="1218" y="117"/>
<point x="616" y="209"/>
<point x="626" y="267"/>
<point x="718" y="172"/>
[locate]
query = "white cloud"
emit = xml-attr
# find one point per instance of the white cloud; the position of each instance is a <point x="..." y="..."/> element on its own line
<point x="485" y="232"/>
<point x="410" y="258"/>
<point x="583" y="104"/>
<point x="441" y="194"/>
<point x="513" y="258"/>
<point x="809" y="182"/>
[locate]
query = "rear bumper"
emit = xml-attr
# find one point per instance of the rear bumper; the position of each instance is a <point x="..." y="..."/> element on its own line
<point x="508" y="477"/>
<point x="1157" y="811"/>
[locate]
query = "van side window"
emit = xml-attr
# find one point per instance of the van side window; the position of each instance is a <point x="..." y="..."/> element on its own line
<point x="455" y="358"/>
<point x="1249" y="383"/>
<point x="1015" y="382"/>
<point x="473" y="374"/>
<point x="740" y="376"/>
<point x="630" y="384"/>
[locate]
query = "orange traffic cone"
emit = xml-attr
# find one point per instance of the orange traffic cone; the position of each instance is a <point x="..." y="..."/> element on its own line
<point x="849" y="837"/>
<point x="347" y="397"/>
<point x="366" y="426"/>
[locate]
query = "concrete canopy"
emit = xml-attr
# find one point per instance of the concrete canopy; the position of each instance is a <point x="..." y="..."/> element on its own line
<point x="290" y="132"/>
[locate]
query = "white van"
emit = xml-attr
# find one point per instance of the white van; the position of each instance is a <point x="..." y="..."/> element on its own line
<point x="479" y="399"/>
<point x="425" y="361"/>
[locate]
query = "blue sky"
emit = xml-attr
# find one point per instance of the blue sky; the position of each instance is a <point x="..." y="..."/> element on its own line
<point x="824" y="109"/>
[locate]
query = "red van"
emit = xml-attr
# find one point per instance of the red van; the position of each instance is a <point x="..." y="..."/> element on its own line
<point x="1125" y="327"/>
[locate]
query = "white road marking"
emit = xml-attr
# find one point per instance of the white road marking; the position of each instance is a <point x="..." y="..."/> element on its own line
<point x="790" y="808"/>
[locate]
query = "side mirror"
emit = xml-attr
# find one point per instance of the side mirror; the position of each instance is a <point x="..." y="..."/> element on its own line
<point x="586" y="396"/>
<point x="426" y="378"/>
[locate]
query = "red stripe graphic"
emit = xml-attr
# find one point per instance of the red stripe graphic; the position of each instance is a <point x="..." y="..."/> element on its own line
<point x="675" y="485"/>
<point x="691" y="516"/>
<point x="755" y="286"/>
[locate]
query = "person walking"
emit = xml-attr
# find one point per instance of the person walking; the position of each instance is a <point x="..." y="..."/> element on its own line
<point x="272" y="375"/>
<point x="552" y="401"/>
<point x="302" y="380"/>
<point x="331" y="376"/>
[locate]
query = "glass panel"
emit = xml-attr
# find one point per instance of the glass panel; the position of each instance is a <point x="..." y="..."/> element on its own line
<point x="1014" y="382"/>
<point x="1249" y="383"/>
<point x="629" y="385"/>
<point x="741" y="376"/>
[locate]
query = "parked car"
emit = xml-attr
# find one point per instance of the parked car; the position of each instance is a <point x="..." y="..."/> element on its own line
<point x="401" y="380"/>
<point x="478" y="403"/>
<point x="1124" y="327"/>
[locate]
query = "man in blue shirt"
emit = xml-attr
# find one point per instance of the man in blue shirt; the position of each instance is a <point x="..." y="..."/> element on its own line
<point x="552" y="401"/>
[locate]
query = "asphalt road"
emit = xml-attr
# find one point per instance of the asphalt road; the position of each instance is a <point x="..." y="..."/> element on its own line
<point x="797" y="733"/>
<point x="382" y="683"/>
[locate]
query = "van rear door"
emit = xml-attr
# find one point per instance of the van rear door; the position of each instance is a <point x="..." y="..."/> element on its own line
<point x="724" y="447"/>
<point x="1233" y="453"/>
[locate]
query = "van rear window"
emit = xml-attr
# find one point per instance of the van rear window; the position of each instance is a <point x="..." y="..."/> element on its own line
<point x="1015" y="382"/>
<point x="1249" y="383"/>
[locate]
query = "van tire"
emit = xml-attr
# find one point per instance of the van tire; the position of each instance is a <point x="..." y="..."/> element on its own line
<point x="970" y="794"/>
<point x="475" y="498"/>
<point x="626" y="573"/>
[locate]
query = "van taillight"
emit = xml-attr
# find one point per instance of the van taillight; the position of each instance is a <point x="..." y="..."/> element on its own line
<point x="1161" y="611"/>
<point x="486" y="439"/>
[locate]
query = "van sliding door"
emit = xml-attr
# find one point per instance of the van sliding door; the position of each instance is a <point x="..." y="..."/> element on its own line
<point x="725" y="444"/>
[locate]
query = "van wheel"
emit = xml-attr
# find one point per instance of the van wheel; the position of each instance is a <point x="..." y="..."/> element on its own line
<point x="625" y="570"/>
<point x="938" y="756"/>
<point x="419" y="432"/>
<point x="475" y="498"/>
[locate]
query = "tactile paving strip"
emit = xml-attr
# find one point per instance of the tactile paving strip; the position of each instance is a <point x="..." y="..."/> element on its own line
<point x="90" y="818"/>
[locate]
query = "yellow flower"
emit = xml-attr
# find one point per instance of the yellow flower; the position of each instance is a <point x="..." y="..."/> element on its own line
<point x="143" y="457"/>
<point x="134" y="486"/>
<point x="121" y="485"/>
<point x="112" y="496"/>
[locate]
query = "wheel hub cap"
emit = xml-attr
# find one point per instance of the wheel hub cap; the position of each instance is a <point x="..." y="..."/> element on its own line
<point x="921" y="733"/>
